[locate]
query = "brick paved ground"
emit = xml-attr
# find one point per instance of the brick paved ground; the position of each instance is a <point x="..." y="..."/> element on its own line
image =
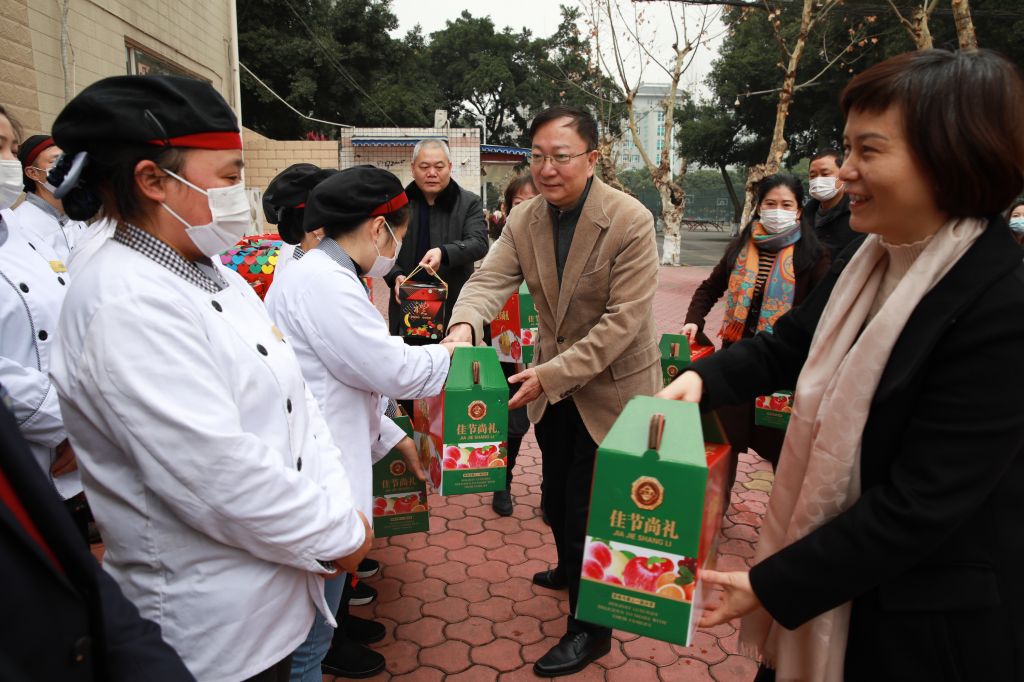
<point x="458" y="602"/>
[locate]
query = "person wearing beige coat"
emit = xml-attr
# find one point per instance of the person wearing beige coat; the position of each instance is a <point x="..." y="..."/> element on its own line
<point x="589" y="257"/>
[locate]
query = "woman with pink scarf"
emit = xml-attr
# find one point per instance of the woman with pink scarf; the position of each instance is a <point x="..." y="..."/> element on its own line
<point x="889" y="550"/>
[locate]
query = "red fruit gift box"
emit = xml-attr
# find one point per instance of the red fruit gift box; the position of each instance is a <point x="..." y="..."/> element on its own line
<point x="677" y="354"/>
<point x="774" y="410"/>
<point x="464" y="430"/>
<point x="655" y="515"/>
<point x="514" y="330"/>
<point x="422" y="307"/>
<point x="399" y="498"/>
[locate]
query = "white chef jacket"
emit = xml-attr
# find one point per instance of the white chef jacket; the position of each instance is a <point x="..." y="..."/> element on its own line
<point x="37" y="217"/>
<point x="349" y="359"/>
<point x="208" y="466"/>
<point x="89" y="242"/>
<point x="32" y="288"/>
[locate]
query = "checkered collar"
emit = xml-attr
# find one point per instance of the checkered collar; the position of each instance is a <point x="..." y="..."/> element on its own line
<point x="338" y="255"/>
<point x="202" y="274"/>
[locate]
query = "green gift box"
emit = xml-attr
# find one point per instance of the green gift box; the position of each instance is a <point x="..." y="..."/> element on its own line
<point x="399" y="498"/>
<point x="677" y="354"/>
<point x="514" y="330"/>
<point x="774" y="410"/>
<point x="656" y="510"/>
<point x="463" y="432"/>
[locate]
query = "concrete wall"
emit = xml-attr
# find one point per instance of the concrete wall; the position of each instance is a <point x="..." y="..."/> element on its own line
<point x="193" y="36"/>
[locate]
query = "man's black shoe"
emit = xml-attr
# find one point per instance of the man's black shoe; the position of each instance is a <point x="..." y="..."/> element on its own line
<point x="502" y="503"/>
<point x="362" y="595"/>
<point x="572" y="654"/>
<point x="552" y="580"/>
<point x="351" y="660"/>
<point x="361" y="630"/>
<point x="367" y="569"/>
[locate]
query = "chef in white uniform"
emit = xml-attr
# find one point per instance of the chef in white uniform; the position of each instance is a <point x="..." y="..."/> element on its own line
<point x="347" y="355"/>
<point x="217" y="487"/>
<point x="284" y="204"/>
<point x="33" y="282"/>
<point x="41" y="214"/>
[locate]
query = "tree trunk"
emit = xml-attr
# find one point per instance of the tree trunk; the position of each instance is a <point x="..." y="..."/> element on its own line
<point x="671" y="252"/>
<point x="921" y="33"/>
<point x="606" y="166"/>
<point x="737" y="207"/>
<point x="779" y="145"/>
<point x="964" y="25"/>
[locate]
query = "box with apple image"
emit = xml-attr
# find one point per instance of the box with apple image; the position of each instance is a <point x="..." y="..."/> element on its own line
<point x="514" y="330"/>
<point x="774" y="410"/>
<point x="677" y="354"/>
<point x="655" y="516"/>
<point x="463" y="432"/>
<point x="399" y="498"/>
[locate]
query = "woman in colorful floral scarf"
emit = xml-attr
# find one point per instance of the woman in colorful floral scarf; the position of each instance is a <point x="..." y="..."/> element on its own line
<point x="769" y="268"/>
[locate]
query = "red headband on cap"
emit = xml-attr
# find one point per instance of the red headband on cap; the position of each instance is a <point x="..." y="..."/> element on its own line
<point x="37" y="150"/>
<point x="391" y="205"/>
<point x="219" y="140"/>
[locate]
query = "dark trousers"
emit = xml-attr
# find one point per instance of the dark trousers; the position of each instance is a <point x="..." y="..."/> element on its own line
<point x="280" y="672"/>
<point x="567" y="457"/>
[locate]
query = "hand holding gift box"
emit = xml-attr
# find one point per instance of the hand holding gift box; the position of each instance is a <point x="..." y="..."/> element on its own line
<point x="464" y="430"/>
<point x="656" y="510"/>
<point x="422" y="307"/>
<point x="677" y="354"/>
<point x="399" y="497"/>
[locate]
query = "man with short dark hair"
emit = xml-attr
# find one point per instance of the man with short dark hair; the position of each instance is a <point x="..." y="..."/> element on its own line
<point x="828" y="211"/>
<point x="589" y="257"/>
<point x="447" y="232"/>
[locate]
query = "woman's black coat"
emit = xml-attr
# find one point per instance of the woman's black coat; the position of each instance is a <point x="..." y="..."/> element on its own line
<point x="931" y="554"/>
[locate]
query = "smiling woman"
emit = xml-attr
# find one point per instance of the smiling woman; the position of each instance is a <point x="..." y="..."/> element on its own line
<point x="906" y="442"/>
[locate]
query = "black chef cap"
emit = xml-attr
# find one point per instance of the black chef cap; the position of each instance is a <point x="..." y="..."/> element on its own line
<point x="352" y="196"/>
<point x="285" y="199"/>
<point x="166" y="111"/>
<point x="28" y="152"/>
<point x="117" y="115"/>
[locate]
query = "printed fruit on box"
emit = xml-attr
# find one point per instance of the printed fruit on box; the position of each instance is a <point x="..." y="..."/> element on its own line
<point x="464" y="430"/>
<point x="655" y="514"/>
<point x="514" y="330"/>
<point x="400" y="499"/>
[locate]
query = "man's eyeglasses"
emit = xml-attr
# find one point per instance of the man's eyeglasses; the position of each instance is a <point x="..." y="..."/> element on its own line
<point x="560" y="159"/>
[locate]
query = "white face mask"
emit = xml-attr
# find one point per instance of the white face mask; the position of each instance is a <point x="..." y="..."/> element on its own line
<point x="11" y="182"/>
<point x="229" y="209"/>
<point x="383" y="265"/>
<point x="777" y="219"/>
<point x="824" y="188"/>
<point x="1017" y="224"/>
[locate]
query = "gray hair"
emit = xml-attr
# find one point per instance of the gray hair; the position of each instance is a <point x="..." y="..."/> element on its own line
<point x="431" y="142"/>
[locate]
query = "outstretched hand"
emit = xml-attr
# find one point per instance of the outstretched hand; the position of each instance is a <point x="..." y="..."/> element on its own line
<point x="738" y="598"/>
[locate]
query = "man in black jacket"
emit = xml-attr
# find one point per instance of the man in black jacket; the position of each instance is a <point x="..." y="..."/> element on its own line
<point x="828" y="211"/>
<point x="64" y="617"/>
<point x="447" y="231"/>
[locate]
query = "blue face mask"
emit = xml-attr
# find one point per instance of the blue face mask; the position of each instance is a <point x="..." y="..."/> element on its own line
<point x="1017" y="224"/>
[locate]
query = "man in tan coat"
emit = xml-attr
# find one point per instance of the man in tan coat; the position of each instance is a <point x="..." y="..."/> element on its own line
<point x="589" y="256"/>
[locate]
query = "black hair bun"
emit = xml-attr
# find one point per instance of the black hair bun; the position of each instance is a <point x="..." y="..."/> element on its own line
<point x="289" y="225"/>
<point x="82" y="202"/>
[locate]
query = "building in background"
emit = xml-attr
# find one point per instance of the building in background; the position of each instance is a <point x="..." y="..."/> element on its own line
<point x="650" y="122"/>
<point x="54" y="49"/>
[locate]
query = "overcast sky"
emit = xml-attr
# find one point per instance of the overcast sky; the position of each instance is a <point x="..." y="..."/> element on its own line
<point x="542" y="17"/>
